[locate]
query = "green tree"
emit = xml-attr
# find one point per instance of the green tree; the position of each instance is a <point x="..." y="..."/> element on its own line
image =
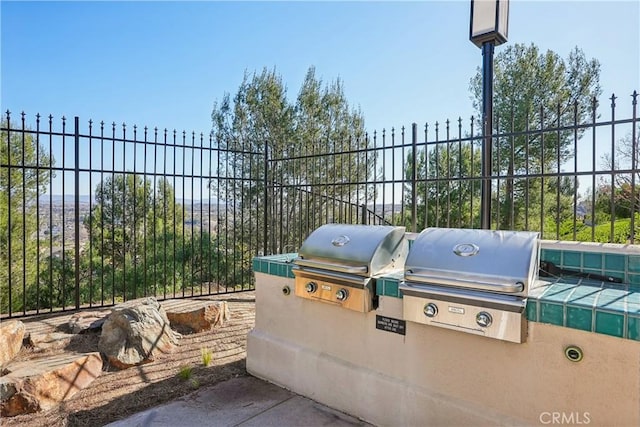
<point x="25" y="177"/>
<point x="536" y="91"/>
<point x="446" y="193"/>
<point x="309" y="147"/>
<point x="136" y="237"/>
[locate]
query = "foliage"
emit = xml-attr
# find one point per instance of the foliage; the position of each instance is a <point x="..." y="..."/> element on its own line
<point x="207" y="356"/>
<point x="260" y="124"/>
<point x="536" y="91"/>
<point x="20" y="187"/>
<point x="446" y="196"/>
<point x="185" y="372"/>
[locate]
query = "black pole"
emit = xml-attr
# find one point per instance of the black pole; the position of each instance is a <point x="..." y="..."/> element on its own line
<point x="487" y="117"/>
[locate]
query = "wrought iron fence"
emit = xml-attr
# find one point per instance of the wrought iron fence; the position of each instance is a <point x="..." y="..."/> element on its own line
<point x="96" y="215"/>
<point x="93" y="214"/>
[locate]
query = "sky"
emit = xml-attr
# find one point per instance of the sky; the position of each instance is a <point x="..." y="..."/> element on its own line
<point x="165" y="64"/>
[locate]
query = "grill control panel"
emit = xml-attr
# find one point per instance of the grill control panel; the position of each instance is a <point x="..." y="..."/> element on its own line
<point x="503" y="324"/>
<point x="341" y="294"/>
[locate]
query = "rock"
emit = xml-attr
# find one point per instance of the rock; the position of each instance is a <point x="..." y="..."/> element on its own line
<point x="134" y="332"/>
<point x="197" y="315"/>
<point x="40" y="384"/>
<point x="11" y="336"/>
<point x="50" y="341"/>
<point x="87" y="320"/>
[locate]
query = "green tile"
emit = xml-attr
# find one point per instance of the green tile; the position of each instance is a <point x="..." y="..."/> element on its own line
<point x="584" y="296"/>
<point x="551" y="255"/>
<point x="614" y="262"/>
<point x="609" y="323"/>
<point x="633" y="328"/>
<point x="551" y="313"/>
<point x="634" y="263"/>
<point x="633" y="309"/>
<point x="612" y="299"/>
<point x="532" y="307"/>
<point x="273" y="268"/>
<point x="634" y="279"/>
<point x="579" y="318"/>
<point x="633" y="297"/>
<point x="391" y="288"/>
<point x="380" y="287"/>
<point x="592" y="261"/>
<point x="558" y="292"/>
<point x="572" y="259"/>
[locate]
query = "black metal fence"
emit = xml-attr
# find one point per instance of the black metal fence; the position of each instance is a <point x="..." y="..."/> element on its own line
<point x="94" y="214"/>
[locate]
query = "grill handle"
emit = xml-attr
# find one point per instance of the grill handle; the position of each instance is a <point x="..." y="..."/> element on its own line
<point x="510" y="288"/>
<point x="331" y="266"/>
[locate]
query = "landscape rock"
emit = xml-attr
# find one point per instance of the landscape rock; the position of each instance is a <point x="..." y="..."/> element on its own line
<point x="50" y="341"/>
<point x="40" y="384"/>
<point x="134" y="332"/>
<point x="196" y="315"/>
<point x="11" y="336"/>
<point x="87" y="320"/>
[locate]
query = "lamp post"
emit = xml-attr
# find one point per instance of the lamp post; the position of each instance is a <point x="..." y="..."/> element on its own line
<point x="487" y="28"/>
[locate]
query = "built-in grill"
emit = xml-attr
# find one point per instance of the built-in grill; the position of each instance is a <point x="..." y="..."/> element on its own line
<point x="338" y="263"/>
<point x="474" y="281"/>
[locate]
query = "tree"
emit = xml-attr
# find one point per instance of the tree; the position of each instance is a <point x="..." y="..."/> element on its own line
<point x="135" y="236"/>
<point x="447" y="195"/>
<point x="535" y="91"/>
<point x="535" y="95"/>
<point x="308" y="146"/>
<point x="26" y="177"/>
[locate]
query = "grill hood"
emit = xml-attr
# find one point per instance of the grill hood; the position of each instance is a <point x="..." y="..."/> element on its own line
<point x="365" y="250"/>
<point x="485" y="260"/>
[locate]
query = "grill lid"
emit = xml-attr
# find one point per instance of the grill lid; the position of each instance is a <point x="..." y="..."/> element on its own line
<point x="486" y="260"/>
<point x="365" y="250"/>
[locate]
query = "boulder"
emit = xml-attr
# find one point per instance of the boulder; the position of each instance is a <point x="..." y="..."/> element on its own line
<point x="135" y="332"/>
<point x="196" y="315"/>
<point x="50" y="341"/>
<point x="11" y="336"/>
<point x="87" y="320"/>
<point x="40" y="384"/>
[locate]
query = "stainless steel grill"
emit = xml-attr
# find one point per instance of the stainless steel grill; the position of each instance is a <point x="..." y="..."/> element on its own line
<point x="338" y="263"/>
<point x="474" y="281"/>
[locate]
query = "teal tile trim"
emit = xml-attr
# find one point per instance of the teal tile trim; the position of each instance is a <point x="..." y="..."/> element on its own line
<point x="587" y="305"/>
<point x="633" y="330"/>
<point x="610" y="323"/>
<point x="275" y="265"/>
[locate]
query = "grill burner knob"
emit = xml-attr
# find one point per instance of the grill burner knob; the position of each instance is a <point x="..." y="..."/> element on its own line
<point x="342" y="294"/>
<point x="311" y="287"/>
<point x="484" y="319"/>
<point x="430" y="310"/>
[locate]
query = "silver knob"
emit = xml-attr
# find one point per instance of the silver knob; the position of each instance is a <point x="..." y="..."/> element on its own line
<point x="342" y="294"/>
<point x="311" y="287"/>
<point x="430" y="310"/>
<point x="484" y="319"/>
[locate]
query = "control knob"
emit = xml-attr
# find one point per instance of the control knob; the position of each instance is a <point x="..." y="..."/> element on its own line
<point x="311" y="287"/>
<point x="342" y="294"/>
<point x="430" y="310"/>
<point x="484" y="319"/>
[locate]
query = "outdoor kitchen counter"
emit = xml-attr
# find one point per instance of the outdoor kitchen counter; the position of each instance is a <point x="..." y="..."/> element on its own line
<point x="413" y="374"/>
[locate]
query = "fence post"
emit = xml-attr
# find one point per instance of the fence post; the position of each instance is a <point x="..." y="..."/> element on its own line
<point x="266" y="197"/>
<point x="363" y="214"/>
<point x="414" y="177"/>
<point x="77" y="207"/>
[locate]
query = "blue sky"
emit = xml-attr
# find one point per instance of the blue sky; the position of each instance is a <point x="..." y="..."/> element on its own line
<point x="165" y="63"/>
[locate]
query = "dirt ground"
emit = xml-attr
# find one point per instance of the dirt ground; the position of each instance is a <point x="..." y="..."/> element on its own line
<point x="117" y="394"/>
